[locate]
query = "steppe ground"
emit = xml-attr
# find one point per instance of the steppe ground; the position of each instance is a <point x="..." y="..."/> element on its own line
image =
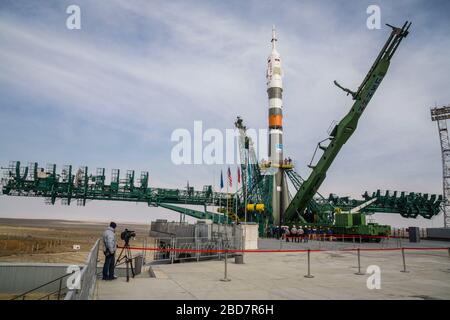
<point x="33" y="240"/>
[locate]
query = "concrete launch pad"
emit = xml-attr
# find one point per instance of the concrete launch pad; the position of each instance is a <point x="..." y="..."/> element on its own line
<point x="333" y="271"/>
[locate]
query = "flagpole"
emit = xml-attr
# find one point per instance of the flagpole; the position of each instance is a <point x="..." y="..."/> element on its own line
<point x="185" y="202"/>
<point x="245" y="187"/>
<point x="228" y="182"/>
<point x="235" y="199"/>
<point x="212" y="189"/>
<point x="244" y="184"/>
<point x="221" y="195"/>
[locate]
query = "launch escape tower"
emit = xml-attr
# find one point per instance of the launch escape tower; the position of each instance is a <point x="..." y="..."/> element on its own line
<point x="264" y="197"/>
<point x="440" y="115"/>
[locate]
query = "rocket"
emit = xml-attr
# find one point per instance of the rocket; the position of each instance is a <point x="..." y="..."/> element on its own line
<point x="275" y="94"/>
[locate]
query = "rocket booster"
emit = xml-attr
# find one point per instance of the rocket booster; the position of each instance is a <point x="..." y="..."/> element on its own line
<point x="274" y="91"/>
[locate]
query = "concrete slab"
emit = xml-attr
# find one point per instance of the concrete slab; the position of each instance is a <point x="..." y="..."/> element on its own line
<point x="141" y="289"/>
<point x="281" y="276"/>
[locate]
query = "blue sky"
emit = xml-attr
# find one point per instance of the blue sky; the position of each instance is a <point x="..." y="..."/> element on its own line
<point x="110" y="95"/>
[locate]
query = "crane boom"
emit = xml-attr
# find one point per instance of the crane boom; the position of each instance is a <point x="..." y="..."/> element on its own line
<point x="347" y="126"/>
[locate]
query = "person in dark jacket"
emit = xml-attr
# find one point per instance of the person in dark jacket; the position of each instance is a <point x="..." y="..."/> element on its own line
<point x="109" y="245"/>
<point x="307" y="232"/>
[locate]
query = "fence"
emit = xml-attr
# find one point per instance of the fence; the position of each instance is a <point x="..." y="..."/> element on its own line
<point x="395" y="233"/>
<point x="185" y="249"/>
<point x="88" y="277"/>
<point x="335" y="242"/>
<point x="403" y="232"/>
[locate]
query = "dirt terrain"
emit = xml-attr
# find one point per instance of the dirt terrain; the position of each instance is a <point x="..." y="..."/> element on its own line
<point x="52" y="241"/>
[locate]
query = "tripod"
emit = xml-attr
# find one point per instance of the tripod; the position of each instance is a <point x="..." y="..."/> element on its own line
<point x="125" y="254"/>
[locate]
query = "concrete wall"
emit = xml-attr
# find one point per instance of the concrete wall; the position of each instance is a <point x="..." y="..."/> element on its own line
<point x="438" y="233"/>
<point x="250" y="233"/>
<point x="202" y="229"/>
<point x="20" y="277"/>
<point x="206" y="230"/>
<point x="179" y="230"/>
<point x="223" y="229"/>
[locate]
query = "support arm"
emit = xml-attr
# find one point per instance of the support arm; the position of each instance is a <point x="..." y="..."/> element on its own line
<point x="347" y="126"/>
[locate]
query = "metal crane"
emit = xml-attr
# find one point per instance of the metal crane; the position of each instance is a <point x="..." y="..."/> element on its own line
<point x="347" y="126"/>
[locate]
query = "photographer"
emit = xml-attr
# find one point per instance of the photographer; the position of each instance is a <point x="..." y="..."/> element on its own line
<point x="109" y="245"/>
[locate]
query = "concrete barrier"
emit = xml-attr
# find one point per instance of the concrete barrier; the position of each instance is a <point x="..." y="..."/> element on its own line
<point x="18" y="278"/>
<point x="438" y="233"/>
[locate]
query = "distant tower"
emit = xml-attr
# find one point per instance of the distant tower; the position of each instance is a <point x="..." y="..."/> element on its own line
<point x="275" y="95"/>
<point x="441" y="115"/>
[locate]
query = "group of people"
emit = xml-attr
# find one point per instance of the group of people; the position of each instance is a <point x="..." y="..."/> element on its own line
<point x="266" y="163"/>
<point x="286" y="161"/>
<point x="296" y="235"/>
<point x="300" y="234"/>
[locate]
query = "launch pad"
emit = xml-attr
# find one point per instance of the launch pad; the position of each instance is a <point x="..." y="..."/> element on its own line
<point x="334" y="276"/>
<point x="265" y="197"/>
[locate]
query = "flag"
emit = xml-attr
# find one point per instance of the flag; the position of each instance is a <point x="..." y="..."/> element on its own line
<point x="230" y="179"/>
<point x="221" y="180"/>
<point x="239" y="175"/>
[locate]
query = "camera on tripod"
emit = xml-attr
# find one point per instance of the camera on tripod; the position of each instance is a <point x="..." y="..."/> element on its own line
<point x="125" y="255"/>
<point x="126" y="235"/>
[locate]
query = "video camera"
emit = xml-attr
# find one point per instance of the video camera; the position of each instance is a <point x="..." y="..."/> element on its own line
<point x="126" y="235"/>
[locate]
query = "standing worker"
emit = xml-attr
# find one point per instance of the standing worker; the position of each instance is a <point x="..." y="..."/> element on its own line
<point x="300" y="234"/>
<point x="330" y="234"/>
<point x="307" y="234"/>
<point x="109" y="249"/>
<point x="310" y="233"/>
<point x="294" y="234"/>
<point x="286" y="233"/>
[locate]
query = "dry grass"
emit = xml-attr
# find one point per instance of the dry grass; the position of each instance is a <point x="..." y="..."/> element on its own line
<point x="51" y="241"/>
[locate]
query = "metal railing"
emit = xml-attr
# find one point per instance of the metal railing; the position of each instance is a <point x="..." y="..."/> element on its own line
<point x="335" y="242"/>
<point x="87" y="282"/>
<point x="58" y="294"/>
<point x="88" y="277"/>
<point x="189" y="249"/>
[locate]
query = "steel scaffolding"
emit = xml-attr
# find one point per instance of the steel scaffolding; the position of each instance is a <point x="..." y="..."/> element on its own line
<point x="440" y="115"/>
